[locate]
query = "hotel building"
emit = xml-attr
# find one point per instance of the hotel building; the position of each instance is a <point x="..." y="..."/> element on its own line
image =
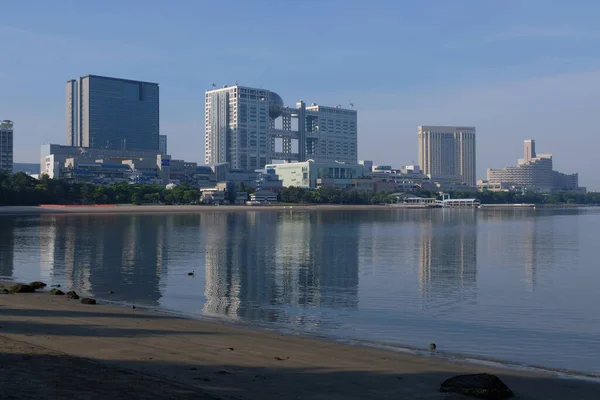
<point x="448" y="152"/>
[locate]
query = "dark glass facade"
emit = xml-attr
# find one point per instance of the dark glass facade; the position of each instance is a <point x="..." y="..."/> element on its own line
<point x="112" y="113"/>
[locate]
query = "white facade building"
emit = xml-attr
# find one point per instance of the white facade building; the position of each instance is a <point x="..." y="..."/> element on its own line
<point x="448" y="152"/>
<point x="533" y="172"/>
<point x="308" y="173"/>
<point x="249" y="128"/>
<point x="535" y="175"/>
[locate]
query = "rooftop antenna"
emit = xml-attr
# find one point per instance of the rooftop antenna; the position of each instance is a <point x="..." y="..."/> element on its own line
<point x="351" y="104"/>
<point x="214" y="85"/>
<point x="236" y="82"/>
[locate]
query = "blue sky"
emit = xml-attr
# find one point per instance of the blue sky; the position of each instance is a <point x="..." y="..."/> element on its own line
<point x="514" y="69"/>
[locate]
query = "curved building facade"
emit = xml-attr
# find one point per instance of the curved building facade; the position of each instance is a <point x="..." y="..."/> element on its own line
<point x="250" y="128"/>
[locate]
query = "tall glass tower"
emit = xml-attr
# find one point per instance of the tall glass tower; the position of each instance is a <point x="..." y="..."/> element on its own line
<point x="112" y="113"/>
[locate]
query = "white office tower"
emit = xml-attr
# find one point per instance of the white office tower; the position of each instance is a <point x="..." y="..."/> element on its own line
<point x="249" y="128"/>
<point x="448" y="152"/>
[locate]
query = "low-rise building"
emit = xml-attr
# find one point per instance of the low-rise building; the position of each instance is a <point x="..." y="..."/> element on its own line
<point x="305" y="174"/>
<point x="104" y="166"/>
<point x="485" y="185"/>
<point x="264" y="196"/>
<point x="213" y="196"/>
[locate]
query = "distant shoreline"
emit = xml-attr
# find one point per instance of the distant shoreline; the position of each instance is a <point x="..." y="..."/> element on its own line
<point x="182" y="209"/>
<point x="173" y="209"/>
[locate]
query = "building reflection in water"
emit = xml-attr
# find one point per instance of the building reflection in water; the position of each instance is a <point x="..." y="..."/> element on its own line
<point x="448" y="257"/>
<point x="97" y="254"/>
<point x="275" y="266"/>
<point x="7" y="246"/>
<point x="537" y="241"/>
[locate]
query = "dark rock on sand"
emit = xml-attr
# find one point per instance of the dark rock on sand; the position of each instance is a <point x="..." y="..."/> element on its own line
<point x="484" y="386"/>
<point x="72" y="295"/>
<point x="38" y="285"/>
<point x="20" y="288"/>
<point x="57" y="292"/>
<point x="87" y="300"/>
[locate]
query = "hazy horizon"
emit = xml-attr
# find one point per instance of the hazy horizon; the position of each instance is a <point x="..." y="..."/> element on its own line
<point x="515" y="70"/>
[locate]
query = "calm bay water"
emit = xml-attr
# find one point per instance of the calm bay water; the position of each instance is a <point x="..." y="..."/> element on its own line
<point x="515" y="285"/>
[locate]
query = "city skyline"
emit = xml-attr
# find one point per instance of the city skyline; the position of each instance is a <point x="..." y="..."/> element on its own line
<point x="516" y="70"/>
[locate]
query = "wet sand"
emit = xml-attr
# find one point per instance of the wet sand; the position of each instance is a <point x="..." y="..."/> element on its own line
<point x="52" y="347"/>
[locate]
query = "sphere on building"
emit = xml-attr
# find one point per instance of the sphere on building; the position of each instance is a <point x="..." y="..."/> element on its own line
<point x="275" y="105"/>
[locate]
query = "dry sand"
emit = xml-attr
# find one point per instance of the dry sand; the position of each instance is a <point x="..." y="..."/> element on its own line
<point x="52" y="347"/>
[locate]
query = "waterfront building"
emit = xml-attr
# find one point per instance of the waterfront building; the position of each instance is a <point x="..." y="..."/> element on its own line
<point x="533" y="172"/>
<point x="308" y="174"/>
<point x="250" y="128"/>
<point x="448" y="152"/>
<point x="104" y="166"/>
<point x="264" y="196"/>
<point x="6" y="146"/>
<point x="112" y="113"/>
<point x="162" y="144"/>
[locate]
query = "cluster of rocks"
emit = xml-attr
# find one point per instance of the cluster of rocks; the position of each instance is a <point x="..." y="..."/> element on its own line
<point x="33" y="286"/>
<point x="483" y="386"/>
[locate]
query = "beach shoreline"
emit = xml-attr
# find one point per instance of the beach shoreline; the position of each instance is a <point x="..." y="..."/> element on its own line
<point x="215" y="359"/>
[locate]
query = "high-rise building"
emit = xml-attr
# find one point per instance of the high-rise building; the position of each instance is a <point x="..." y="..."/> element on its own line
<point x="6" y="146"/>
<point x="162" y="144"/>
<point x="448" y="152"/>
<point x="249" y="128"/>
<point x="529" y="146"/>
<point x="112" y="113"/>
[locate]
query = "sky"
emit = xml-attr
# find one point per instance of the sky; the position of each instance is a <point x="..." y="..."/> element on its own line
<point x="514" y="69"/>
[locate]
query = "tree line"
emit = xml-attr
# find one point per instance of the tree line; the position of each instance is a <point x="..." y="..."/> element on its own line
<point x="21" y="189"/>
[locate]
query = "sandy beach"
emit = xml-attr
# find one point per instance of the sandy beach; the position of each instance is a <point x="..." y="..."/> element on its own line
<point x="53" y="347"/>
